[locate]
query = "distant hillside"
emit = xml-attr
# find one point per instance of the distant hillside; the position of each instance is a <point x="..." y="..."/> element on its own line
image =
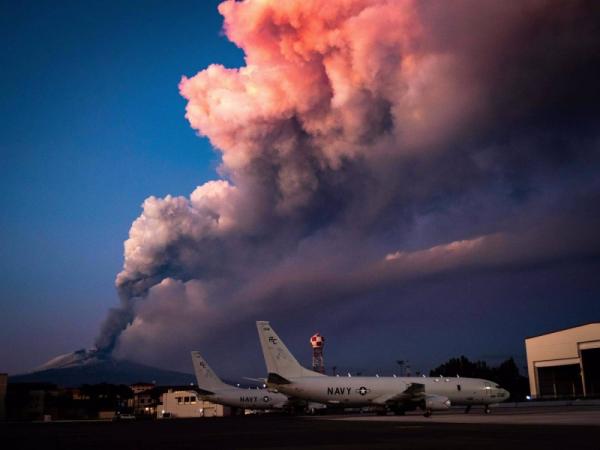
<point x="105" y="370"/>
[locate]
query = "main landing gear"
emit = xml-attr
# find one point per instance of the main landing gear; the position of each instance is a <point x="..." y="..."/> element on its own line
<point x="467" y="409"/>
<point x="428" y="413"/>
<point x="399" y="411"/>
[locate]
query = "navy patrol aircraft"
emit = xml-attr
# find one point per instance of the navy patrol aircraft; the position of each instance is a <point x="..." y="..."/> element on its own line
<point x="396" y="394"/>
<point x="211" y="388"/>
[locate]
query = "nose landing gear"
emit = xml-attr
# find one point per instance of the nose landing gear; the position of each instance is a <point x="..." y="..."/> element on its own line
<point x="487" y="409"/>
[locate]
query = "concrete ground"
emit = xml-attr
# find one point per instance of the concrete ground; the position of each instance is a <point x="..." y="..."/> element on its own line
<point x="327" y="432"/>
<point x="552" y="415"/>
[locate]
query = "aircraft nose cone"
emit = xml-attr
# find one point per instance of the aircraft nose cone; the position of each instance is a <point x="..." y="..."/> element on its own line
<point x="505" y="393"/>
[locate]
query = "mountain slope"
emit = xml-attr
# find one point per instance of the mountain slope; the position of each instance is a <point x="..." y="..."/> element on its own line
<point x="88" y="367"/>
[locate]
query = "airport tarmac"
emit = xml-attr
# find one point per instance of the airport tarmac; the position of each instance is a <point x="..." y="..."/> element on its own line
<point x="315" y="433"/>
<point x="572" y="415"/>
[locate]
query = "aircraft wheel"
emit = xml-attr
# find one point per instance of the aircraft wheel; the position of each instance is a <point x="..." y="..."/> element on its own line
<point x="467" y="409"/>
<point x="487" y="410"/>
<point x="427" y="413"/>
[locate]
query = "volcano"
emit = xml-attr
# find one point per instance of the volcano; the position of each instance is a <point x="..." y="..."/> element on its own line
<point x="89" y="366"/>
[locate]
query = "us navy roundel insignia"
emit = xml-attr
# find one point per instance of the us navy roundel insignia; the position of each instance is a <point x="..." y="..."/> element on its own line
<point x="362" y="390"/>
<point x="266" y="399"/>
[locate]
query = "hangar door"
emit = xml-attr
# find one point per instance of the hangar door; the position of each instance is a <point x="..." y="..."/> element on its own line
<point x="559" y="381"/>
<point x="590" y="360"/>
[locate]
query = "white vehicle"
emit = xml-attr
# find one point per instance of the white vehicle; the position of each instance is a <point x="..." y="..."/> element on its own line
<point x="212" y="389"/>
<point x="397" y="394"/>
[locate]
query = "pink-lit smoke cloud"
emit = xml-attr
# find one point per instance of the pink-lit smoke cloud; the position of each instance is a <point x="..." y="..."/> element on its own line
<point x="364" y="143"/>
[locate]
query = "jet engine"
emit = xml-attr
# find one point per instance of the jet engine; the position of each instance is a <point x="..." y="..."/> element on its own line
<point x="436" y="403"/>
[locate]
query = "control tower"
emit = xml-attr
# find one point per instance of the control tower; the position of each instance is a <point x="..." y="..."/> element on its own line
<point x="317" y="342"/>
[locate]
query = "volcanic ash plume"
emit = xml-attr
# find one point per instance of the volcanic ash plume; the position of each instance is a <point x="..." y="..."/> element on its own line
<point x="359" y="129"/>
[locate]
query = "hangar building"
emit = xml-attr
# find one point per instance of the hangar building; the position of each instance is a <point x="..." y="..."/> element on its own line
<point x="3" y="384"/>
<point x="565" y="363"/>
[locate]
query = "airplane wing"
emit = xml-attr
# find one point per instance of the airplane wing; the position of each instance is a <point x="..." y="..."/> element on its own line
<point x="414" y="393"/>
<point x="204" y="392"/>
<point x="299" y="404"/>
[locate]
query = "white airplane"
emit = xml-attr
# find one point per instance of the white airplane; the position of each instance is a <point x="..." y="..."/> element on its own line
<point x="212" y="389"/>
<point x="396" y="394"/>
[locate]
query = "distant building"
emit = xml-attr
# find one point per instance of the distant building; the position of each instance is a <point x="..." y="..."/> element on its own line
<point x="565" y="363"/>
<point x="145" y="398"/>
<point x="3" y="383"/>
<point x="141" y="387"/>
<point x="186" y="403"/>
<point x="76" y="394"/>
<point x="144" y="402"/>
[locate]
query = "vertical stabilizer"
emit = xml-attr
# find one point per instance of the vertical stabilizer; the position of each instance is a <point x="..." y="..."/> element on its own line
<point x="278" y="358"/>
<point x="205" y="376"/>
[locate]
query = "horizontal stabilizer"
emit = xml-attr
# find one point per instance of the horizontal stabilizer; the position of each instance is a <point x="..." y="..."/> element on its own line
<point x="277" y="379"/>
<point x="204" y="392"/>
<point x="260" y="380"/>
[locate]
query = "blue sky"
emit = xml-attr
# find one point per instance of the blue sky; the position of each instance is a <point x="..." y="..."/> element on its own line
<point x="93" y="123"/>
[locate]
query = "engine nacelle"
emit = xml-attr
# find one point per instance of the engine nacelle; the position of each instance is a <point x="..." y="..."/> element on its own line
<point x="436" y="403"/>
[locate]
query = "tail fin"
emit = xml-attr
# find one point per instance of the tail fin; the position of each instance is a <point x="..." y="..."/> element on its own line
<point x="206" y="378"/>
<point x="278" y="358"/>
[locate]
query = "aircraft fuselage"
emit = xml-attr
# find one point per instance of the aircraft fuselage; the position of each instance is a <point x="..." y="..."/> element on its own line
<point x="365" y="391"/>
<point x="247" y="398"/>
